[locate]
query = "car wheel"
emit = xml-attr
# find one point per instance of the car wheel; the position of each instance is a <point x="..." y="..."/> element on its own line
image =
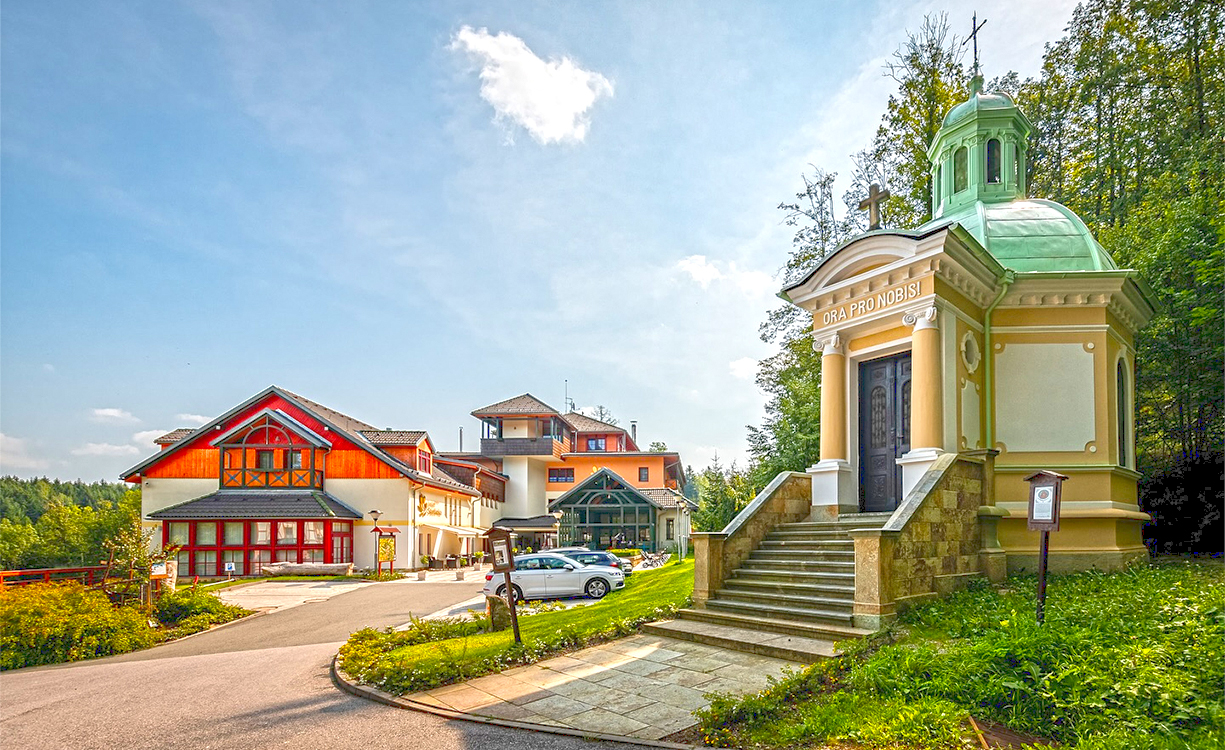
<point x="597" y="588"/>
<point x="516" y="589"/>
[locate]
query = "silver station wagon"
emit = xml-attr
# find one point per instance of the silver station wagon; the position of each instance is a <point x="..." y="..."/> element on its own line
<point x="544" y="575"/>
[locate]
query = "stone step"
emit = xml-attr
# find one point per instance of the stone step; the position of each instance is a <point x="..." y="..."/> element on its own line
<point x="840" y="579"/>
<point x="777" y="645"/>
<point x="800" y="566"/>
<point x="833" y="590"/>
<point x="781" y="611"/>
<point x="816" y="536"/>
<point x="800" y="555"/>
<point x="820" y="605"/>
<point x="830" y="545"/>
<point x="832" y="631"/>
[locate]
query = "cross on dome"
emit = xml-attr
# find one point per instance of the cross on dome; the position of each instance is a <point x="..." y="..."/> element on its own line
<point x="876" y="196"/>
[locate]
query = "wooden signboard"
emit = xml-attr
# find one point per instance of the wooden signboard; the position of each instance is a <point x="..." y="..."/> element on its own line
<point x="504" y="563"/>
<point x="1044" y="492"/>
<point x="158" y="572"/>
<point x="1044" y="495"/>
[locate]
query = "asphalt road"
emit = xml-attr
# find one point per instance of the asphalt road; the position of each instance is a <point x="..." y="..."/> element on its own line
<point x="263" y="682"/>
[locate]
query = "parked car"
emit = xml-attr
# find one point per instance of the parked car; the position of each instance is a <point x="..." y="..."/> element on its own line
<point x="545" y="575"/>
<point x="596" y="557"/>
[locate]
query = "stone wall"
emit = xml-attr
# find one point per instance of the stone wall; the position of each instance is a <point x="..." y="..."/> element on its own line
<point x="938" y="545"/>
<point x="941" y="536"/>
<point x="787" y="499"/>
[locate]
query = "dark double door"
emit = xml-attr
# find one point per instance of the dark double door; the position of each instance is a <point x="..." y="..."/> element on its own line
<point x="884" y="430"/>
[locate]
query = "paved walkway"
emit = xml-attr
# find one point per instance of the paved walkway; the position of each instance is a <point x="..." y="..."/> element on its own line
<point x="643" y="686"/>
<point x="269" y="596"/>
<point x="258" y="683"/>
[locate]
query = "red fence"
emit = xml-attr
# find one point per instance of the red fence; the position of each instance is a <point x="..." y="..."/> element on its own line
<point x="87" y="576"/>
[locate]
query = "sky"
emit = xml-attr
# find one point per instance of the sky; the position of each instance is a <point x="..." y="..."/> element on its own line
<point x="407" y="211"/>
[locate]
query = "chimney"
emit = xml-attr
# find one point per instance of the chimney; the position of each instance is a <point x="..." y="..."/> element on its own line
<point x="634" y="431"/>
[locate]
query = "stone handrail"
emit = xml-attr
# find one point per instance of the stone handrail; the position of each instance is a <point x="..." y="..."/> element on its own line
<point x="942" y="535"/>
<point x="786" y="499"/>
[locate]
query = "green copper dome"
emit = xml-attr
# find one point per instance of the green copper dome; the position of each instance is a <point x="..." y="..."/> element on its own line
<point x="1031" y="235"/>
<point x="978" y="178"/>
<point x="978" y="102"/>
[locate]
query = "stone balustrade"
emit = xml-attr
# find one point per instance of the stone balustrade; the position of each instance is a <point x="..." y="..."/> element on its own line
<point x="787" y="499"/>
<point x="940" y="537"/>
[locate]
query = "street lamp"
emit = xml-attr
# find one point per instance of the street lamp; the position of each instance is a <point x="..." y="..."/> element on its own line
<point x="376" y="515"/>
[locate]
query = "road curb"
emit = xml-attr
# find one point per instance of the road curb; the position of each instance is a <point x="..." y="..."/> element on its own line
<point x="387" y="699"/>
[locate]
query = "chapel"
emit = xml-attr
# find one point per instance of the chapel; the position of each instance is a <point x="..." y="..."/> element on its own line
<point x="958" y="357"/>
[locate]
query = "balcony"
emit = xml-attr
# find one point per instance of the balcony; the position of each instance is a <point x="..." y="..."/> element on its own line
<point x="271" y="479"/>
<point x="542" y="446"/>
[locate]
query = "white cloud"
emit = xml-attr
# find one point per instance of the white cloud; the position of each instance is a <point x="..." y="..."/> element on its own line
<point x="704" y="271"/>
<point x="744" y="368"/>
<point x="116" y="416"/>
<point x="15" y="455"/>
<point x="193" y="419"/>
<point x="105" y="449"/>
<point x="550" y="99"/>
<point x="48" y="367"/>
<point x="145" y="438"/>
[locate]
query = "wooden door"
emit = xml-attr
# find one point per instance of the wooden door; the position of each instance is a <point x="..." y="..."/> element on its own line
<point x="884" y="430"/>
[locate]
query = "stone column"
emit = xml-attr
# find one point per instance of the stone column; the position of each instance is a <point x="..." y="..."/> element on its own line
<point x="926" y="399"/>
<point x="833" y="401"/>
<point x="708" y="565"/>
<point x="926" y="384"/>
<point x="833" y="488"/>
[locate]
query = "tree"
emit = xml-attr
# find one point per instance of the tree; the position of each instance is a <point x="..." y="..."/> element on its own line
<point x="658" y="447"/>
<point x="602" y="414"/>
<point x="722" y="493"/>
<point x="16" y="540"/>
<point x="930" y="81"/>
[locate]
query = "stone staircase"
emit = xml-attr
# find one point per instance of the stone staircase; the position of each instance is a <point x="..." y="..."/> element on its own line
<point x="791" y="599"/>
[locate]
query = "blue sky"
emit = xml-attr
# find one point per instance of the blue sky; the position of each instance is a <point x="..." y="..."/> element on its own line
<point x="407" y="211"/>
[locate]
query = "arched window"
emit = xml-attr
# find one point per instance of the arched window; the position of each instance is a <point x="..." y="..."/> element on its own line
<point x="1123" y="415"/>
<point x="959" y="170"/>
<point x="939" y="186"/>
<point x="1019" y="164"/>
<point x="993" y="161"/>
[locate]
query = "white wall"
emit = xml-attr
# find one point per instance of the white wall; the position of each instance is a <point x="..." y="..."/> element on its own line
<point x="391" y="496"/>
<point x="518" y="428"/>
<point x="157" y="493"/>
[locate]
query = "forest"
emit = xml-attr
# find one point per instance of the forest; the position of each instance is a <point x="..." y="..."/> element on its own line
<point x="1129" y="121"/>
<point x="50" y="523"/>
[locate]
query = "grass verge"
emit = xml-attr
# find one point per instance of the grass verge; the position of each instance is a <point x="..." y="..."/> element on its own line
<point x="1132" y="660"/>
<point x="434" y="653"/>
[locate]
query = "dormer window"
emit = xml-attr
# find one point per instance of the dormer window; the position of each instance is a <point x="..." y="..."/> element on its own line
<point x="993" y="161"/>
<point x="960" y="169"/>
<point x="595" y="444"/>
<point x="423" y="462"/>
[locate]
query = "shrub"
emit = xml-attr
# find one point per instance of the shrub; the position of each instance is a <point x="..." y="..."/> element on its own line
<point x="173" y="609"/>
<point x="59" y="622"/>
<point x="625" y="552"/>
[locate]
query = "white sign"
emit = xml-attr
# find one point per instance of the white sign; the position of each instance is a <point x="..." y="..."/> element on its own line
<point x="1044" y="504"/>
<point x="229" y="567"/>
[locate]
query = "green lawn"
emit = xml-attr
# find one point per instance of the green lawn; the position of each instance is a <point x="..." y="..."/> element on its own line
<point x="1125" y="661"/>
<point x="437" y="653"/>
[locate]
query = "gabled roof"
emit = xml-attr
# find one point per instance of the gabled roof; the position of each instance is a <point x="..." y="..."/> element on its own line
<point x="667" y="498"/>
<point x="584" y="423"/>
<point x="595" y="478"/>
<point x="348" y="427"/>
<point x="393" y="437"/>
<point x="260" y="504"/>
<point x="527" y="405"/>
<point x="280" y="417"/>
<point x="174" y="436"/>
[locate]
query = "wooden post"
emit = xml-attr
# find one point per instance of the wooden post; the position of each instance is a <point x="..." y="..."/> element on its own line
<point x="510" y="600"/>
<point x="1046" y="542"/>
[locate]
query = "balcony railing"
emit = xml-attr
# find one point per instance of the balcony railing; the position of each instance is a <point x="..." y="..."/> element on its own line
<point x="272" y="478"/>
<point x="542" y="446"/>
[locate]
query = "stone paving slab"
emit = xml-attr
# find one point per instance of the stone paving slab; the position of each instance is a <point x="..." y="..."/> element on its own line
<point x="268" y="596"/>
<point x="645" y="686"/>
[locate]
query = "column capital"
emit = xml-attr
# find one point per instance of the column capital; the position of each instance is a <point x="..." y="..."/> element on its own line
<point x="921" y="319"/>
<point x="827" y="345"/>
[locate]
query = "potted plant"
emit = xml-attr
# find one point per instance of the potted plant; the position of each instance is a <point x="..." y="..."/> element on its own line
<point x="480" y="558"/>
<point x="425" y="564"/>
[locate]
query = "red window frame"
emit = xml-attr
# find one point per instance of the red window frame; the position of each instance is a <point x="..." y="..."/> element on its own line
<point x="332" y="544"/>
